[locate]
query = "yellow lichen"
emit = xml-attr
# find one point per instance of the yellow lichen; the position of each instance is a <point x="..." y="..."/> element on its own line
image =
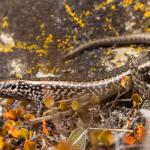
<point x="139" y="6"/>
<point x="18" y="75"/>
<point x="48" y="40"/>
<point x="6" y="48"/>
<point x="65" y="43"/>
<point x="113" y="7"/>
<point x="103" y="4"/>
<point x="147" y="14"/>
<point x="100" y="6"/>
<point x="41" y="52"/>
<point x="42" y="28"/>
<point x="31" y="48"/>
<point x="87" y="13"/>
<point x="109" y="1"/>
<point x="77" y="19"/>
<point x="20" y="44"/>
<point x="93" y="69"/>
<point x="42" y="67"/>
<point x="127" y="3"/>
<point x="5" y="23"/>
<point x="29" y="71"/>
<point x="25" y="46"/>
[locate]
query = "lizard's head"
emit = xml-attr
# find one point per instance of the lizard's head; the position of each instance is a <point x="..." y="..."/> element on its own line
<point x="140" y="66"/>
<point x="7" y="87"/>
<point x="142" y="61"/>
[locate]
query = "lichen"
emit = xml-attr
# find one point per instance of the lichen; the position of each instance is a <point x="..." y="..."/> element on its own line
<point x="5" y="22"/>
<point x="77" y="19"/>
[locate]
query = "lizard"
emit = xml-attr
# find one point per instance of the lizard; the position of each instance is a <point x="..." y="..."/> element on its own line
<point x="38" y="90"/>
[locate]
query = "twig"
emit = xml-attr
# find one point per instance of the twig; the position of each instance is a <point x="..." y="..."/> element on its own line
<point x="120" y="130"/>
<point x="57" y="116"/>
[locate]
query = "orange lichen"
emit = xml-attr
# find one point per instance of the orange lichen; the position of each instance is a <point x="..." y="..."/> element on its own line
<point x="44" y="128"/>
<point x="127" y="3"/>
<point x="1" y="142"/>
<point x="129" y="139"/>
<point x="10" y="114"/>
<point x="29" y="145"/>
<point x="140" y="133"/>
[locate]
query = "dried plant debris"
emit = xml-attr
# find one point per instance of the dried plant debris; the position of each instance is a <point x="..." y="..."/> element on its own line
<point x="82" y="123"/>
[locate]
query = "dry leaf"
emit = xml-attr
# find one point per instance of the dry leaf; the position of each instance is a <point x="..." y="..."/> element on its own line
<point x="63" y="106"/>
<point x="129" y="123"/>
<point x="20" y="111"/>
<point x="75" y="105"/>
<point x="129" y="139"/>
<point x="45" y="129"/>
<point x="1" y="143"/>
<point x="29" y="145"/>
<point x="126" y="82"/>
<point x="19" y="133"/>
<point x="23" y="133"/>
<point x="137" y="100"/>
<point x="7" y="146"/>
<point x="9" y="124"/>
<point x="64" y="145"/>
<point x="95" y="100"/>
<point x="14" y="132"/>
<point x="29" y="117"/>
<point x="140" y="133"/>
<point x="10" y="114"/>
<point x="107" y="137"/>
<point x="3" y="132"/>
<point x="48" y="101"/>
<point x="9" y="101"/>
<point x="103" y="137"/>
<point x="78" y="138"/>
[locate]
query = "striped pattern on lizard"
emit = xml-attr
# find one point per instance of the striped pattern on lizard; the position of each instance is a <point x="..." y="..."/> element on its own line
<point x="37" y="90"/>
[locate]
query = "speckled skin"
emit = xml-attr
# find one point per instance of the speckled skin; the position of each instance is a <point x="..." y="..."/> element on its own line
<point x="60" y="90"/>
<point x="140" y="75"/>
<point x="37" y="90"/>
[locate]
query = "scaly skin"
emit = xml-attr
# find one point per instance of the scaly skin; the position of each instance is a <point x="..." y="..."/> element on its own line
<point x="59" y="90"/>
<point x="142" y="38"/>
<point x="37" y="90"/>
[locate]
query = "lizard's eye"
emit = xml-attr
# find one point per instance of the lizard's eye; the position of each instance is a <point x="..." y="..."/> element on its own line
<point x="10" y="86"/>
<point x="13" y="86"/>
